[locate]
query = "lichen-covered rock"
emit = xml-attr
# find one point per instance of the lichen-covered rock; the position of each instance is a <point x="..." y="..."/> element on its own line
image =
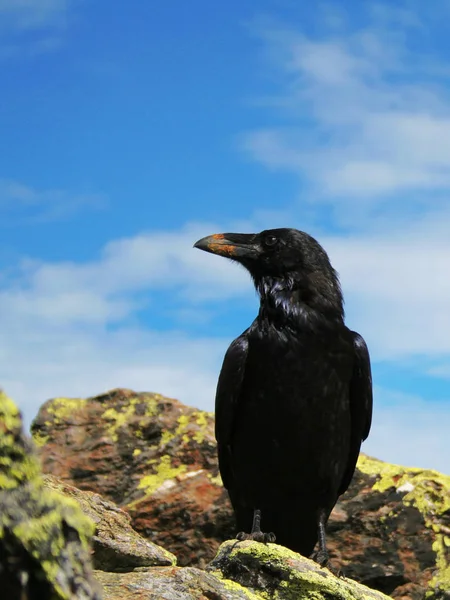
<point x="147" y="438"/>
<point x="157" y="459"/>
<point x="240" y="571"/>
<point x="44" y="539"/>
<point x="173" y="583"/>
<point x="391" y="530"/>
<point x="188" y="514"/>
<point x="116" y="546"/>
<point x="271" y="571"/>
<point x="152" y="455"/>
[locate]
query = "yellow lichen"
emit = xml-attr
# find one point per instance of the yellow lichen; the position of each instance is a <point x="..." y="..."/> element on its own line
<point x="296" y="581"/>
<point x="37" y="518"/>
<point x="163" y="472"/>
<point x="120" y="417"/>
<point x="217" y="480"/>
<point x="17" y="464"/>
<point x="202" y="422"/>
<point x="39" y="438"/>
<point x="183" y="423"/>
<point x="429" y="492"/>
<point x="137" y="451"/>
<point x="441" y="579"/>
<point x="167" y="436"/>
<point x="236" y="588"/>
<point x="62" y="408"/>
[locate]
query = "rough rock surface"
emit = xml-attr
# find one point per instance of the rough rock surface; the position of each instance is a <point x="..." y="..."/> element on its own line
<point x="157" y="459"/>
<point x="116" y="545"/>
<point x="276" y="572"/>
<point x="241" y="571"/>
<point x="45" y="553"/>
<point x="44" y="538"/>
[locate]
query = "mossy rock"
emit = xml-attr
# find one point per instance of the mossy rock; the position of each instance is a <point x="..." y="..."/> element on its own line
<point x="44" y="538"/>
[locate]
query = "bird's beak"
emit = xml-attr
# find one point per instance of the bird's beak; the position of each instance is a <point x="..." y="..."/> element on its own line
<point x="232" y="245"/>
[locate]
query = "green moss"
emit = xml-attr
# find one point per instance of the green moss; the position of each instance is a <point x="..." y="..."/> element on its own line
<point x="234" y="587"/>
<point x="163" y="471"/>
<point x="297" y="576"/>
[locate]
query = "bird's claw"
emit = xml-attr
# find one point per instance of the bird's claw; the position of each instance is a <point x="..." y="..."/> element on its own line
<point x="257" y="536"/>
<point x="322" y="558"/>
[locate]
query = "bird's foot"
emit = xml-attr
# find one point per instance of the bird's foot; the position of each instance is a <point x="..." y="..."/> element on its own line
<point x="322" y="558"/>
<point x="257" y="536"/>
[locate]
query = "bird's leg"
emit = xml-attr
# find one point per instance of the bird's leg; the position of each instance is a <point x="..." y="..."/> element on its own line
<point x="256" y="534"/>
<point x="322" y="557"/>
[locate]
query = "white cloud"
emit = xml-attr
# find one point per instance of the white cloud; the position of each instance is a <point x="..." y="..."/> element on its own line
<point x="396" y="286"/>
<point x="43" y="363"/>
<point x="103" y="290"/>
<point x="406" y="430"/>
<point x="72" y="329"/>
<point x="32" y="14"/>
<point x="367" y="117"/>
<point x="19" y="202"/>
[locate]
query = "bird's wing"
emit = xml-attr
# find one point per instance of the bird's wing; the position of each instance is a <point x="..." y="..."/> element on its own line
<point x="227" y="396"/>
<point x="360" y="405"/>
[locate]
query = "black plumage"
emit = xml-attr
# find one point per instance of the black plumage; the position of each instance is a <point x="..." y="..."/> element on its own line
<point x="294" y="397"/>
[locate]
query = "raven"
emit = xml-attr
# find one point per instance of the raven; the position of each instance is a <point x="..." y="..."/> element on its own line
<point x="294" y="396"/>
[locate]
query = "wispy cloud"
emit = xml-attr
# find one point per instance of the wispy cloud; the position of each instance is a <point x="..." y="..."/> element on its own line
<point x="32" y="27"/>
<point x="368" y="111"/>
<point x="23" y="15"/>
<point x="410" y="431"/>
<point x="74" y="328"/>
<point x="22" y="203"/>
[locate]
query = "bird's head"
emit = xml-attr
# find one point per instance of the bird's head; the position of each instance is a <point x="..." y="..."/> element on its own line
<point x="282" y="261"/>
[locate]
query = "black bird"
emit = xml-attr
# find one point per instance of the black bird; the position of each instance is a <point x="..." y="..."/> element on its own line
<point x="294" y="396"/>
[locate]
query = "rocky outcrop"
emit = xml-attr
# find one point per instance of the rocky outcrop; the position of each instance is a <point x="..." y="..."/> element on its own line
<point x="116" y="545"/>
<point x="268" y="570"/>
<point x="44" y="537"/>
<point x="152" y="455"/>
<point x="157" y="459"/>
<point x="241" y="571"/>
<point x="46" y="527"/>
<point x="391" y="530"/>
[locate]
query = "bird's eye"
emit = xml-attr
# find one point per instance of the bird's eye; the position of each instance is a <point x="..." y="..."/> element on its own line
<point x="270" y="240"/>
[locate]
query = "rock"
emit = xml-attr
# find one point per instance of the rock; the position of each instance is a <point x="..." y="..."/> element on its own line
<point x="188" y="515"/>
<point x="44" y="538"/>
<point x="151" y="455"/>
<point x="116" y="546"/>
<point x="157" y="459"/>
<point x="391" y="530"/>
<point x="174" y="583"/>
<point x="240" y="571"/>
<point x="269" y="570"/>
<point x="146" y="438"/>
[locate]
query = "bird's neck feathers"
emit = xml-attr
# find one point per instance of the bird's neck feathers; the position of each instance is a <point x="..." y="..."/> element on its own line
<point x="301" y="298"/>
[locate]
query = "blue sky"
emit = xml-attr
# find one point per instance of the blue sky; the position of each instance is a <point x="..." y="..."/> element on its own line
<point x="130" y="131"/>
